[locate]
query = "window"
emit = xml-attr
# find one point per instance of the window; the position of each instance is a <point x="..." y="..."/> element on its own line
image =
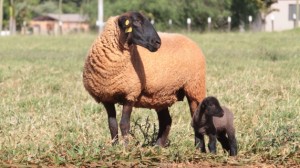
<point x="292" y="11"/>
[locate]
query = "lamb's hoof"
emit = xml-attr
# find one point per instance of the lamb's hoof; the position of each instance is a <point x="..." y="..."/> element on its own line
<point x="232" y="153"/>
<point x="115" y="142"/>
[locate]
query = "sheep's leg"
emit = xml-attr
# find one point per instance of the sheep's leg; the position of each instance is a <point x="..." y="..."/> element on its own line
<point x="224" y="141"/>
<point x="232" y="143"/>
<point x="112" y="121"/>
<point x="165" y="122"/>
<point x="199" y="142"/>
<point x="193" y="104"/>
<point x="212" y="143"/>
<point x="125" y="121"/>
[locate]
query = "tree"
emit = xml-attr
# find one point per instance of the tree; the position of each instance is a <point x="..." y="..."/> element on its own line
<point x="159" y="10"/>
<point x="199" y="11"/>
<point x="179" y="10"/>
<point x="45" y="7"/>
<point x="265" y="9"/>
<point x="259" y="9"/>
<point x="241" y="10"/>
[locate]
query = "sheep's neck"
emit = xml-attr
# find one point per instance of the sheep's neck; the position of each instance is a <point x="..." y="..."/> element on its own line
<point x="111" y="52"/>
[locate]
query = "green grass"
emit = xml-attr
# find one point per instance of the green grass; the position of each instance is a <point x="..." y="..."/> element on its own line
<point x="47" y="117"/>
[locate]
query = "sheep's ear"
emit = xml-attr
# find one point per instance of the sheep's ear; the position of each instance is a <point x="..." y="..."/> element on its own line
<point x="125" y="24"/>
<point x="128" y="30"/>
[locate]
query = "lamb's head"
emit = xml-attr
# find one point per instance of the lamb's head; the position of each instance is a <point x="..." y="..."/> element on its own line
<point x="211" y="107"/>
<point x="139" y="30"/>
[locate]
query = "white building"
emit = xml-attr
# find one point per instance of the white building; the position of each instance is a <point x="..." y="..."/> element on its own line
<point x="284" y="18"/>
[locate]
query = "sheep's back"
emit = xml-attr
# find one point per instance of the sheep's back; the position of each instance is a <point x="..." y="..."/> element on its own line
<point x="177" y="64"/>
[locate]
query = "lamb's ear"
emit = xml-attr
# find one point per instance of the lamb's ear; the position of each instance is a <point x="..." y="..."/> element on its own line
<point x="203" y="105"/>
<point x="125" y="24"/>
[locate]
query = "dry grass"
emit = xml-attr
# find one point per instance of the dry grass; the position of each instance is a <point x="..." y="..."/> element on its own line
<point x="48" y="119"/>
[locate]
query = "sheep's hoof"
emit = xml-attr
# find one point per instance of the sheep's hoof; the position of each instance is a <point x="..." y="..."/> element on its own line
<point x="159" y="143"/>
<point x="162" y="143"/>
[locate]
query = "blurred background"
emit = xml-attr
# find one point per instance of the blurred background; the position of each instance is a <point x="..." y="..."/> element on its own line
<point x="72" y="16"/>
<point x="48" y="119"/>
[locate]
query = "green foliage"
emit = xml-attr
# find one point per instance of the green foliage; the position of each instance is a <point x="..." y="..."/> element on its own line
<point x="199" y="11"/>
<point x="45" y="7"/>
<point x="159" y="10"/>
<point x="242" y="9"/>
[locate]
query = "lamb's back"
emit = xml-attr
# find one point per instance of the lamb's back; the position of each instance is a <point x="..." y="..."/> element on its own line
<point x="225" y="122"/>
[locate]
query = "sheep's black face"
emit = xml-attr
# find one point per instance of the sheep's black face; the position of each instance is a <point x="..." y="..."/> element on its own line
<point x="139" y="31"/>
<point x="212" y="107"/>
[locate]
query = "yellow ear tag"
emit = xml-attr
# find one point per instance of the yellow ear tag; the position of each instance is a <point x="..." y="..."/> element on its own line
<point x="128" y="30"/>
<point x="127" y="22"/>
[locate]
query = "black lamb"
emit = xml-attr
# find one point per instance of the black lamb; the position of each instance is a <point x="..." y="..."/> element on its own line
<point x="216" y="122"/>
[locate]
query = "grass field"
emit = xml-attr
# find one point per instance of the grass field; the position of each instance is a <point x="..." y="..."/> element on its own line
<point x="48" y="119"/>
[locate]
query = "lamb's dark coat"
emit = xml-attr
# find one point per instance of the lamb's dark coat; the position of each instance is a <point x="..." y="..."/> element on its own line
<point x="216" y="122"/>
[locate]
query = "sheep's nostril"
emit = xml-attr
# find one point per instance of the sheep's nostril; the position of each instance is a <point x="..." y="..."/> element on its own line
<point x="157" y="43"/>
<point x="222" y="114"/>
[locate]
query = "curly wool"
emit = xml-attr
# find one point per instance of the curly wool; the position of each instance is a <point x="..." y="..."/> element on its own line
<point x="117" y="73"/>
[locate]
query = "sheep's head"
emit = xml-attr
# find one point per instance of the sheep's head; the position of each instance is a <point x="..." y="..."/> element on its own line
<point x="139" y="31"/>
<point x="211" y="107"/>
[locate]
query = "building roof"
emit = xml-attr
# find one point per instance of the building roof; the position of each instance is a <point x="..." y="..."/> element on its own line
<point x="63" y="17"/>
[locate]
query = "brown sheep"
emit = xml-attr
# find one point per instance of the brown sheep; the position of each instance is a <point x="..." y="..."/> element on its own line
<point x="121" y="69"/>
<point x="216" y="122"/>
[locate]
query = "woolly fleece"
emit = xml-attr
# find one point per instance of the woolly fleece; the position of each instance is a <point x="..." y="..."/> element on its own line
<point x="117" y="73"/>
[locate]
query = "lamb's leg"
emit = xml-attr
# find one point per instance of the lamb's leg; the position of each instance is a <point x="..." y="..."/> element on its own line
<point x="232" y="142"/>
<point x="112" y="121"/>
<point x="165" y="122"/>
<point x="125" y="121"/>
<point x="212" y="143"/>
<point x="224" y="141"/>
<point x="199" y="142"/>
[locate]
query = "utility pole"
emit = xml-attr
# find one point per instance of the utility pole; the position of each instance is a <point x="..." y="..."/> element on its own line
<point x="100" y="15"/>
<point x="1" y="15"/>
<point x="12" y="19"/>
<point x="229" y="23"/>
<point x="59" y="18"/>
<point x="297" y="13"/>
<point x="209" y="24"/>
<point x="189" y="22"/>
<point x="272" y="22"/>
